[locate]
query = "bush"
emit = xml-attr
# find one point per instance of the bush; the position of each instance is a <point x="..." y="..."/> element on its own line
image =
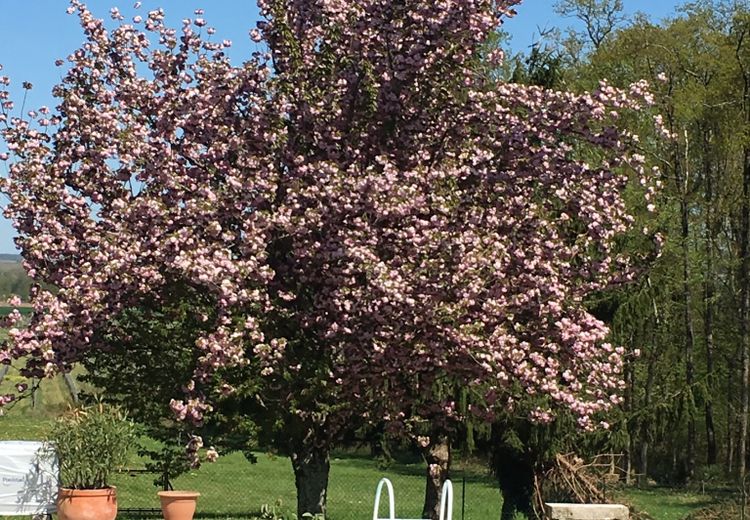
<point x="91" y="443"/>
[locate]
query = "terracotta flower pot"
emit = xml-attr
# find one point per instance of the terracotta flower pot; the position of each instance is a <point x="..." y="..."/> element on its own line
<point x="87" y="504"/>
<point x="178" y="505"/>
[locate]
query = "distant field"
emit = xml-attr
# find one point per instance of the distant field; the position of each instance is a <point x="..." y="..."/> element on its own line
<point x="13" y="280"/>
<point x="23" y="309"/>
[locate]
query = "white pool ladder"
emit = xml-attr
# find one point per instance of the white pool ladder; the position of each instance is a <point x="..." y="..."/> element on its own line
<point x="446" y="501"/>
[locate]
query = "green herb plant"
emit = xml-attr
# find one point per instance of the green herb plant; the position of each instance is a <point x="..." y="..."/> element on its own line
<point x="91" y="443"/>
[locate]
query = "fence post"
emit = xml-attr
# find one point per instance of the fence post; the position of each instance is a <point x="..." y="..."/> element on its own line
<point x="72" y="388"/>
<point x="463" y="494"/>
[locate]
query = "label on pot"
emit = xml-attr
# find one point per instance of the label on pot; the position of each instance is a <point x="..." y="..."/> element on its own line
<point x="28" y="478"/>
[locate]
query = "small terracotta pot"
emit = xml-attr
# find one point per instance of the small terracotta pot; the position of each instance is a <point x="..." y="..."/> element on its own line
<point x="87" y="504"/>
<point x="178" y="505"/>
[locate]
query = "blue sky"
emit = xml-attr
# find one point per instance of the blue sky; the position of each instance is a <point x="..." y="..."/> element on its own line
<point x="36" y="33"/>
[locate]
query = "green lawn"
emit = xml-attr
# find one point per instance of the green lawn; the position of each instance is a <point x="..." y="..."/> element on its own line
<point x="5" y="310"/>
<point x="26" y="427"/>
<point x="232" y="486"/>
<point x="666" y="503"/>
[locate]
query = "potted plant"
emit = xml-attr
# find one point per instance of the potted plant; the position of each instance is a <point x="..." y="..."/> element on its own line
<point x="181" y="504"/>
<point x="90" y="443"/>
<point x="178" y="504"/>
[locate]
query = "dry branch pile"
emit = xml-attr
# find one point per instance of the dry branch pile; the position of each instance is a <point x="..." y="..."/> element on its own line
<point x="571" y="479"/>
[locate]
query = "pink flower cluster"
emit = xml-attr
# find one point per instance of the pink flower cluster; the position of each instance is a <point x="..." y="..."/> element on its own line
<point x="421" y="228"/>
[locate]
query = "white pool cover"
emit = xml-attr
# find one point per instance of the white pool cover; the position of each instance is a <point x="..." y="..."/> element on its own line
<point x="28" y="479"/>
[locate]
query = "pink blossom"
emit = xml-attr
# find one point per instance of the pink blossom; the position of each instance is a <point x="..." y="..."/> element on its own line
<point x="412" y="242"/>
<point x="211" y="454"/>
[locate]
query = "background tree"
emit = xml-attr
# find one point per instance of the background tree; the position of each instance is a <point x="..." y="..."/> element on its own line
<point x="13" y="281"/>
<point x="600" y="17"/>
<point x="693" y="60"/>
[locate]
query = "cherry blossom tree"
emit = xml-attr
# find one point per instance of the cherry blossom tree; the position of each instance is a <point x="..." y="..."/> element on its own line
<point x="370" y="225"/>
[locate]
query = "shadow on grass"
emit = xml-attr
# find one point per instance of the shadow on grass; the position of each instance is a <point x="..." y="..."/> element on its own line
<point x="411" y="465"/>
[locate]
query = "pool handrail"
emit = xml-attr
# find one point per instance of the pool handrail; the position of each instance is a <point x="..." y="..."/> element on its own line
<point x="446" y="501"/>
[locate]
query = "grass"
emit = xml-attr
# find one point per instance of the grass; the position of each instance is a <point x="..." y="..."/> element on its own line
<point x="232" y="486"/>
<point x="26" y="427"/>
<point x="23" y="309"/>
<point x="667" y="503"/>
<point x="51" y="398"/>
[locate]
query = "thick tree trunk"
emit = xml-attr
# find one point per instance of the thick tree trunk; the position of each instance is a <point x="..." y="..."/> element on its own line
<point x="508" y="512"/>
<point x="643" y="456"/>
<point x="514" y="469"/>
<point x="311" y="467"/>
<point x="438" y="457"/>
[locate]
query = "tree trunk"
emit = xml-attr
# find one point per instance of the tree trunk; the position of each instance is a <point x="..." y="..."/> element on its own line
<point x="34" y="389"/>
<point x="744" y="315"/>
<point x="645" y="430"/>
<point x="311" y="467"/>
<point x="645" y="423"/>
<point x="514" y="469"/>
<point x="438" y="458"/>
<point x="731" y="417"/>
<point x="711" y="448"/>
<point x="508" y="511"/>
<point x="744" y="271"/>
<point x="643" y="475"/>
<point x="631" y="424"/>
<point x="709" y="292"/>
<point x="3" y="371"/>
<point x="72" y="388"/>
<point x="689" y="339"/>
